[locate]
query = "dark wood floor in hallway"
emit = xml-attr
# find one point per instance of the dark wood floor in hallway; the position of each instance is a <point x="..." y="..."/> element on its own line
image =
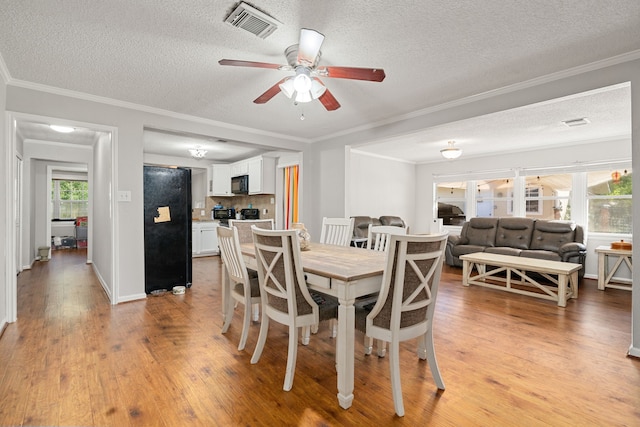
<point x="506" y="359"/>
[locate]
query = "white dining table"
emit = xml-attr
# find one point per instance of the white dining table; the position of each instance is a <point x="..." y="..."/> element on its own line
<point x="346" y="273"/>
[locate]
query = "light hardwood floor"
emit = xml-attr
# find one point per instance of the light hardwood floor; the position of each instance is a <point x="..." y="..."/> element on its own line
<point x="506" y="359"/>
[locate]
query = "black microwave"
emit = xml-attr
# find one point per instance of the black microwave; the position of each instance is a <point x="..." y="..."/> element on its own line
<point x="240" y="184"/>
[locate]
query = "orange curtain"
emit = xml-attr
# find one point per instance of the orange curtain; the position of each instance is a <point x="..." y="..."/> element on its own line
<point x="291" y="176"/>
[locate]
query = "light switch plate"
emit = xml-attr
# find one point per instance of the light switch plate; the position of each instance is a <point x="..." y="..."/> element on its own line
<point x="124" y="196"/>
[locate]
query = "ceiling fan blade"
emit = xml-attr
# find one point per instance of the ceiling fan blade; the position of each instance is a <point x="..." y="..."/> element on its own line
<point x="238" y="63"/>
<point x="309" y="47"/>
<point x="329" y="101"/>
<point x="270" y="93"/>
<point x="369" y="74"/>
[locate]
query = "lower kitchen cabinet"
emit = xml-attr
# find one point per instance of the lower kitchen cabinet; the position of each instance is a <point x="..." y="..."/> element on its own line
<point x="204" y="238"/>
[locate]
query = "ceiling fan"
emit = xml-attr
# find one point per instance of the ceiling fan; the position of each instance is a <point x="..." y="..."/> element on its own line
<point x="305" y="86"/>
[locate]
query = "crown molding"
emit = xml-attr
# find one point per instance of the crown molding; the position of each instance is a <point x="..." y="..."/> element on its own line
<point x="548" y="78"/>
<point x="146" y="109"/>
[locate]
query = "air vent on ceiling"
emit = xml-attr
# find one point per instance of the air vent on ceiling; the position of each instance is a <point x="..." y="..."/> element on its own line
<point x="251" y="19"/>
<point x="576" y="122"/>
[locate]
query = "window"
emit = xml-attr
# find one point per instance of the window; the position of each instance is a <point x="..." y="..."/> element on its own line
<point x="609" y="196"/>
<point x="452" y="202"/>
<point x="548" y="196"/>
<point x="494" y="197"/>
<point x="69" y="199"/>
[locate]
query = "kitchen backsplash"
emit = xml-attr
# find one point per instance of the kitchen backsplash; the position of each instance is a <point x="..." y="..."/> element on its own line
<point x="258" y="201"/>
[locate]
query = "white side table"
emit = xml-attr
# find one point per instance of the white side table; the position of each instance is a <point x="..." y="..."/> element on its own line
<point x="604" y="274"/>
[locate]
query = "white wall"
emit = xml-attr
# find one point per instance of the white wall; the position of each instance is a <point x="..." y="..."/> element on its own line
<point x="379" y="186"/>
<point x="100" y="223"/>
<point x="128" y="149"/>
<point x="6" y="179"/>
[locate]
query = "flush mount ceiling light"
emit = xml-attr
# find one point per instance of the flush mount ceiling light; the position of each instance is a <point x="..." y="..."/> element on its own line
<point x="62" y="129"/>
<point x="197" y="153"/>
<point x="451" y="152"/>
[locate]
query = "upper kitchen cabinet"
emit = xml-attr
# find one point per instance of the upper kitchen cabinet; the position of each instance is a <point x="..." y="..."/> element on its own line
<point x="262" y="175"/>
<point x="219" y="180"/>
<point x="239" y="168"/>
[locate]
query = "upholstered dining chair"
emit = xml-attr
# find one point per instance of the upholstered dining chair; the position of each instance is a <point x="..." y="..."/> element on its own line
<point x="337" y="231"/>
<point x="378" y="236"/>
<point x="245" y="236"/>
<point x="405" y="307"/>
<point x="244" y="227"/>
<point x="285" y="296"/>
<point x="243" y="288"/>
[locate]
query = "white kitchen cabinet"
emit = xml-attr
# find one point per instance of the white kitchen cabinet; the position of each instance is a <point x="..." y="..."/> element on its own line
<point x="262" y="175"/>
<point x="239" y="168"/>
<point x="204" y="239"/>
<point x="220" y="180"/>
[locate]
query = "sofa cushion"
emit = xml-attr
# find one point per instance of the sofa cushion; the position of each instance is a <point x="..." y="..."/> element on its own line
<point x="504" y="250"/>
<point x="514" y="232"/>
<point x="551" y="235"/>
<point x="541" y="254"/>
<point x="361" y="225"/>
<point x="392" y="220"/>
<point x="482" y="231"/>
<point x="466" y="249"/>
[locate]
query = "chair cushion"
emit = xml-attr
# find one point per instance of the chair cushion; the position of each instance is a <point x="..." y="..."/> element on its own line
<point x="255" y="287"/>
<point x="327" y="305"/>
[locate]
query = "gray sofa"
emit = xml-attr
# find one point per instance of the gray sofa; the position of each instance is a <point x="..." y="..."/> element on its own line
<point x="525" y="237"/>
<point x="361" y="224"/>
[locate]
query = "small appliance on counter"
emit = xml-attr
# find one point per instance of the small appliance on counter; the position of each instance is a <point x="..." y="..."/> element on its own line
<point x="250" y="213"/>
<point x="224" y="215"/>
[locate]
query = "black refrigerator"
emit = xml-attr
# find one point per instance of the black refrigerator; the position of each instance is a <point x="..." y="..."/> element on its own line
<point x="167" y="228"/>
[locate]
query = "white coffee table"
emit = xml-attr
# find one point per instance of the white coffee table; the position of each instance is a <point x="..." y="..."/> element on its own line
<point x="566" y="273"/>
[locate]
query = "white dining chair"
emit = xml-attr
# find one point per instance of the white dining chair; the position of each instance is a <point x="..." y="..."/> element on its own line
<point x="244" y="227"/>
<point x="405" y="307"/>
<point x="337" y="231"/>
<point x="243" y="289"/>
<point x="378" y="236"/>
<point x="285" y="296"/>
<point x="245" y="236"/>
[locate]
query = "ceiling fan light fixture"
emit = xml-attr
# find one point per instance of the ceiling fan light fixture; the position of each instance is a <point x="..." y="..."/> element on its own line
<point x="303" y="96"/>
<point x="287" y="88"/>
<point x="317" y="89"/>
<point x="451" y="152"/>
<point x="302" y="83"/>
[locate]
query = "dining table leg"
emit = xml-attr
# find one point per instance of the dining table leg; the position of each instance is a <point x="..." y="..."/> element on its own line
<point x="345" y="348"/>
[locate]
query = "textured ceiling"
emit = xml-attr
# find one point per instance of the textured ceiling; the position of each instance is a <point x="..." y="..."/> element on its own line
<point x="165" y="53"/>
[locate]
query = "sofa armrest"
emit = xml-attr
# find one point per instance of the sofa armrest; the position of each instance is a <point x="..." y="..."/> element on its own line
<point x="453" y="240"/>
<point x="572" y="247"/>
